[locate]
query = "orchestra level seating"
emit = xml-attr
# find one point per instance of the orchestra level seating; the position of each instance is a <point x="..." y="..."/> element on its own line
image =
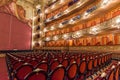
<point x="55" y="65"/>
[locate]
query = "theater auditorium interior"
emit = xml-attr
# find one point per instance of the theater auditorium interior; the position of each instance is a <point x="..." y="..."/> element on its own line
<point x="59" y="39"/>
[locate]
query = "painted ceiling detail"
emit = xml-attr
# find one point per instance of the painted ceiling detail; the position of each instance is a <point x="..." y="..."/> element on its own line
<point x="13" y="8"/>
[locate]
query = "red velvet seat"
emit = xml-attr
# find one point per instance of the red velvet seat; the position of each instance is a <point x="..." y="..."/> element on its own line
<point x="95" y="64"/>
<point x="65" y="62"/>
<point x="23" y="70"/>
<point x="110" y="75"/>
<point x="72" y="71"/>
<point x="54" y="64"/>
<point x="17" y="64"/>
<point x="72" y="60"/>
<point x="42" y="65"/>
<point x="58" y="73"/>
<point x="78" y="60"/>
<point x="117" y="72"/>
<point x="33" y="62"/>
<point x="89" y="67"/>
<point x="82" y="70"/>
<point x="37" y="74"/>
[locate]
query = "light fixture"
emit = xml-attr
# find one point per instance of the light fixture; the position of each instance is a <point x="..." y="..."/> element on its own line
<point x="79" y="3"/>
<point x="53" y="6"/>
<point x="60" y="25"/>
<point x="45" y="30"/>
<point x="40" y="32"/>
<point x="61" y="1"/>
<point x="77" y="34"/>
<point x="46" y="11"/>
<point x="52" y="28"/>
<point x="94" y="30"/>
<point x="34" y="18"/>
<point x="71" y="21"/>
<point x="41" y="14"/>
<point x="47" y="39"/>
<point x="105" y="2"/>
<point x="38" y="6"/>
<point x="116" y="23"/>
<point x="65" y="36"/>
<point x="33" y="43"/>
<point x="55" y="38"/>
<point x="118" y="20"/>
<point x="85" y="15"/>
<point x="33" y="34"/>
<point x="53" y="0"/>
<point x="66" y="11"/>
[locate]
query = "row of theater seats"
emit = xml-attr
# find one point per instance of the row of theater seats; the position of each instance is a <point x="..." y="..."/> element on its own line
<point x="57" y="65"/>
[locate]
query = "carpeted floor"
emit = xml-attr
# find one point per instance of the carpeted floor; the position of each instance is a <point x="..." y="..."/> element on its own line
<point x="3" y="69"/>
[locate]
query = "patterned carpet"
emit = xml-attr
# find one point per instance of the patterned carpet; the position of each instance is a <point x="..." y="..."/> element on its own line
<point x="3" y="69"/>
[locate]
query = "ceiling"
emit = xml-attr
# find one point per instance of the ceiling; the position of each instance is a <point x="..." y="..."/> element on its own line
<point x="23" y="9"/>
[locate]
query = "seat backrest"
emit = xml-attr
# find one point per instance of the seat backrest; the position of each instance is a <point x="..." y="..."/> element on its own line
<point x="17" y="64"/>
<point x="82" y="67"/>
<point x="103" y="59"/>
<point x="58" y="73"/>
<point x="65" y="63"/>
<point x="111" y="75"/>
<point x="72" y="60"/>
<point x="78" y="60"/>
<point x="117" y="71"/>
<point x="99" y="61"/>
<point x="90" y="64"/>
<point x="95" y="63"/>
<point x="23" y="70"/>
<point x="33" y="62"/>
<point x="54" y="64"/>
<point x="72" y="71"/>
<point x="37" y="74"/>
<point x="43" y="65"/>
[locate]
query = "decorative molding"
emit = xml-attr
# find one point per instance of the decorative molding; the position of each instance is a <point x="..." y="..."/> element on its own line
<point x="114" y="48"/>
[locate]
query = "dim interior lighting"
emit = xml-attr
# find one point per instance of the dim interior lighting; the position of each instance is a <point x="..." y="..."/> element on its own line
<point x="53" y="6"/>
<point x="47" y="39"/>
<point x="34" y="18"/>
<point x="41" y="14"/>
<point x="65" y="36"/>
<point x="61" y="1"/>
<point x="38" y="6"/>
<point x="116" y="24"/>
<point x="53" y="0"/>
<point x="33" y="43"/>
<point x="45" y="30"/>
<point x="71" y="21"/>
<point x="94" y="30"/>
<point x="40" y="32"/>
<point x="66" y="11"/>
<point x="85" y="14"/>
<point x="60" y="25"/>
<point x="105" y="2"/>
<point x="33" y="34"/>
<point x="46" y="11"/>
<point x="76" y="34"/>
<point x="79" y="3"/>
<point x="103" y="74"/>
<point x="40" y="42"/>
<point x="55" y="38"/>
<point x="52" y="28"/>
<point x="118" y="20"/>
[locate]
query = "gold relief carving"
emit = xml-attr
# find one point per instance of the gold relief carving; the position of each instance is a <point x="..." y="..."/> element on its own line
<point x="115" y="48"/>
<point x="21" y="13"/>
<point x="12" y="8"/>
